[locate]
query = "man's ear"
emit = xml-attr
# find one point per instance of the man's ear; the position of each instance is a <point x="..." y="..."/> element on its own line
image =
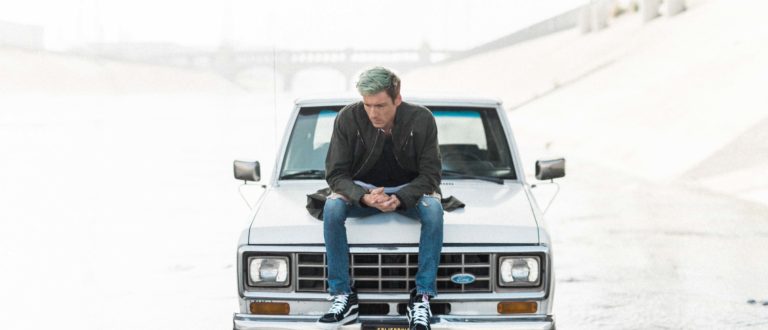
<point x="398" y="100"/>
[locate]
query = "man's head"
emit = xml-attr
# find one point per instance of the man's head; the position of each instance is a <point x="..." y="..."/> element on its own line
<point x="380" y="89"/>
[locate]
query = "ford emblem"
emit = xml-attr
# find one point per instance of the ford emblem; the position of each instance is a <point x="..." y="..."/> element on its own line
<point x="462" y="278"/>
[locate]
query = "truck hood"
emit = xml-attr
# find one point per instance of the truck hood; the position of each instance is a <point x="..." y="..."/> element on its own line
<point x="493" y="214"/>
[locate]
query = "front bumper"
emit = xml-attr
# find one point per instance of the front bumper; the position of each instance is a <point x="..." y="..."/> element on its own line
<point x="543" y="322"/>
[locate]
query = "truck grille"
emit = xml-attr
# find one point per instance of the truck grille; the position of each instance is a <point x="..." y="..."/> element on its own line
<point x="395" y="273"/>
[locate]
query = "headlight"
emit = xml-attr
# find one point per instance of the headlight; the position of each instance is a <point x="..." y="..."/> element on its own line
<point x="519" y="271"/>
<point x="268" y="271"/>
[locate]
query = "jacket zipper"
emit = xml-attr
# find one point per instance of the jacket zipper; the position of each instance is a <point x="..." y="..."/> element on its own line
<point x="406" y="141"/>
<point x="361" y="138"/>
<point x="369" y="155"/>
<point x="402" y="149"/>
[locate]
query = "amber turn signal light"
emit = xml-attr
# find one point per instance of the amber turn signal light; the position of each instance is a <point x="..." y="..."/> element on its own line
<point x="270" y="308"/>
<point x="517" y="307"/>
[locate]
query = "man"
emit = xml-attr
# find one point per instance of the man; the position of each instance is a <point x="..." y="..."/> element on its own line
<point x="383" y="157"/>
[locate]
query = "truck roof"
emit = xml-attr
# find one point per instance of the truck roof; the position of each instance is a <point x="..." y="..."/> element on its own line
<point x="428" y="100"/>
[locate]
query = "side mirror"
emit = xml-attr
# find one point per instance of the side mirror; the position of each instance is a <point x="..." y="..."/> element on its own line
<point x="547" y="169"/>
<point x="247" y="171"/>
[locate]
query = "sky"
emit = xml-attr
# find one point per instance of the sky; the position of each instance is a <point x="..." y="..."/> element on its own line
<point x="292" y="24"/>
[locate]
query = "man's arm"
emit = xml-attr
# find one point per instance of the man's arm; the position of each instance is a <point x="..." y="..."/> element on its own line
<point x="338" y="162"/>
<point x="430" y="166"/>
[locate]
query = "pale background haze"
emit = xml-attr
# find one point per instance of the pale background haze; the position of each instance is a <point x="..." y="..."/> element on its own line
<point x="118" y="209"/>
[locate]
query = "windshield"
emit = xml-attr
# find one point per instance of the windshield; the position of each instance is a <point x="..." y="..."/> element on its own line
<point x="472" y="143"/>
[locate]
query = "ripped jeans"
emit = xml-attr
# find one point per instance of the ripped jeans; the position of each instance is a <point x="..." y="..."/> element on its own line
<point x="429" y="211"/>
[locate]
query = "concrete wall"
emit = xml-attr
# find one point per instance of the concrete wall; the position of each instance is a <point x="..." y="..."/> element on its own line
<point x="558" y="23"/>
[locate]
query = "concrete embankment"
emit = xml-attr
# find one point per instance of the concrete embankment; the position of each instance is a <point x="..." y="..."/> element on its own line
<point x="674" y="99"/>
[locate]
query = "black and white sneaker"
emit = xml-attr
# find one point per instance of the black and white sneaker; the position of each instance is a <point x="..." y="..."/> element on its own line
<point x="343" y="311"/>
<point x="419" y="312"/>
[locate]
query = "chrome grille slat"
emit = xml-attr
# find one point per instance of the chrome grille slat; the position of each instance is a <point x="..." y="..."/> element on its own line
<point x="389" y="266"/>
<point x="395" y="272"/>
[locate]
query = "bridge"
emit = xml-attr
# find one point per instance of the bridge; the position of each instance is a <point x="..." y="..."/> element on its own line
<point x="232" y="63"/>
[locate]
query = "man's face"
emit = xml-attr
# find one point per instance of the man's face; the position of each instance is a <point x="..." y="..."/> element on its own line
<point x="381" y="109"/>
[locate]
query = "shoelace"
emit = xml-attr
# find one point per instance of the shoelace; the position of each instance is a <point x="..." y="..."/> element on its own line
<point x="338" y="303"/>
<point x="421" y="313"/>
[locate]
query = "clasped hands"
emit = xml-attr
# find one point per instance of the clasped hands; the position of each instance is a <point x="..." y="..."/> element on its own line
<point x="378" y="199"/>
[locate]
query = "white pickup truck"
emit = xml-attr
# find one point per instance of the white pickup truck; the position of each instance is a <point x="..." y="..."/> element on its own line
<point x="496" y="265"/>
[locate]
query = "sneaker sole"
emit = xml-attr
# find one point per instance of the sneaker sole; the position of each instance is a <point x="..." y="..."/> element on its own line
<point x="347" y="320"/>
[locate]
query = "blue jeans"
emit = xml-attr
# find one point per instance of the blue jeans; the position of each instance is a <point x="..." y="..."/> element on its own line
<point x="335" y="213"/>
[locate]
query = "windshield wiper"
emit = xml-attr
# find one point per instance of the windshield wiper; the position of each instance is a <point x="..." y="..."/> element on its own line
<point x="461" y="175"/>
<point x="309" y="174"/>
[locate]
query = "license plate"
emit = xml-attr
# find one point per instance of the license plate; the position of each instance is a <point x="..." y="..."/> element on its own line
<point x="385" y="326"/>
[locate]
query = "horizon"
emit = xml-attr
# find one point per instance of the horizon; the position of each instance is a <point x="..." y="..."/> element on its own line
<point x="458" y="25"/>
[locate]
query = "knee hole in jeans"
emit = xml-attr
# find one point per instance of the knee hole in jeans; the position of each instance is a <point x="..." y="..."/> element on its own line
<point x="430" y="204"/>
<point x="334" y="206"/>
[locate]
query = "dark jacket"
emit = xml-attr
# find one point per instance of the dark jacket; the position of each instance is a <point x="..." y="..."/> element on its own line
<point x="356" y="146"/>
